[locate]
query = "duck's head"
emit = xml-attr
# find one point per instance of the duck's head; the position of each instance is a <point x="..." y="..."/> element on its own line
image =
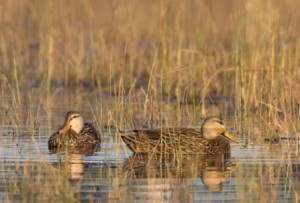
<point x="213" y="127"/>
<point x="73" y="121"/>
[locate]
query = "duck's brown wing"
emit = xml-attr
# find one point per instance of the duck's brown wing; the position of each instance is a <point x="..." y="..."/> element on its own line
<point x="89" y="135"/>
<point x="157" y="140"/>
<point x="168" y="133"/>
<point x="54" y="140"/>
<point x="150" y="134"/>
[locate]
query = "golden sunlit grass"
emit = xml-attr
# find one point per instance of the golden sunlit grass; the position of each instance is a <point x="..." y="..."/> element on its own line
<point x="244" y="54"/>
<point x="151" y="63"/>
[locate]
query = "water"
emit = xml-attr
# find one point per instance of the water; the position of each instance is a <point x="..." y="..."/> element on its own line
<point x="260" y="172"/>
<point x="29" y="172"/>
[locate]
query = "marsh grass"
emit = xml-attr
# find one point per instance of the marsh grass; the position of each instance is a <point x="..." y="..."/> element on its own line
<point x="277" y="172"/>
<point x="31" y="182"/>
<point x="182" y="55"/>
<point x="146" y="64"/>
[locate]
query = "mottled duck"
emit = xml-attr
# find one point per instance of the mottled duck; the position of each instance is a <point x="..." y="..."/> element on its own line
<point x="211" y="139"/>
<point x="75" y="134"/>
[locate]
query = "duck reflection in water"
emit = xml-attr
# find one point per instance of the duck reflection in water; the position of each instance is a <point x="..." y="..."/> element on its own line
<point x="73" y="166"/>
<point x="71" y="160"/>
<point x="211" y="169"/>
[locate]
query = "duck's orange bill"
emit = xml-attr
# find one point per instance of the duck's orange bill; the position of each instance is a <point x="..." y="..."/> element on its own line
<point x="65" y="127"/>
<point x="230" y="137"/>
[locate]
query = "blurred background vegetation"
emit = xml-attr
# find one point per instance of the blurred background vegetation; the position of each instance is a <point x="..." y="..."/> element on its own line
<point x="243" y="54"/>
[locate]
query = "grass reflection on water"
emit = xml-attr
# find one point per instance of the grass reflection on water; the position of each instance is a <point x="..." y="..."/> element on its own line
<point x="262" y="172"/>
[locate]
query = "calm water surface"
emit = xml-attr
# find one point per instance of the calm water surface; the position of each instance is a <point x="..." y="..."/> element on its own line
<point x="259" y="172"/>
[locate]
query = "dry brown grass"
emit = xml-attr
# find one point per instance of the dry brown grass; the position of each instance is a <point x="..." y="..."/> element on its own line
<point x="235" y="59"/>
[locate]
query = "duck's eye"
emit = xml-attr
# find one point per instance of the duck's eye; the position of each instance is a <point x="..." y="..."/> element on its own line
<point x="74" y="117"/>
